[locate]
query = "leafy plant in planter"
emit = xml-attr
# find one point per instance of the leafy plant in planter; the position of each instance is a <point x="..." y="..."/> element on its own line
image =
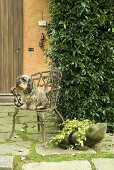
<point x="81" y="34"/>
<point x="63" y="138"/>
<point x="79" y="134"/>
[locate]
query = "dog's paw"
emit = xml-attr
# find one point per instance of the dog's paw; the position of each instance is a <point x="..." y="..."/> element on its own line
<point x="24" y="106"/>
<point x="32" y="107"/>
<point x="41" y="107"/>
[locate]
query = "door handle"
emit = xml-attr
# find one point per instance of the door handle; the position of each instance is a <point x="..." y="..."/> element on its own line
<point x="18" y="50"/>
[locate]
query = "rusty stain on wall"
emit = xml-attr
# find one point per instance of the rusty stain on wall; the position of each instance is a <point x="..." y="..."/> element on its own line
<point x="32" y="12"/>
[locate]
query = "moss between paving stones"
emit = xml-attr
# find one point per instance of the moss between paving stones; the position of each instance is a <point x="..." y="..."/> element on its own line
<point x="17" y="163"/>
<point x="33" y="156"/>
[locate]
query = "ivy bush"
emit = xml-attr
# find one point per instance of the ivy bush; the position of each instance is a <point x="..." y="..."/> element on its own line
<point x="81" y="34"/>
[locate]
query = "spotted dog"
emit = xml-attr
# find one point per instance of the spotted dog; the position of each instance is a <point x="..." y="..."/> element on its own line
<point x="32" y="97"/>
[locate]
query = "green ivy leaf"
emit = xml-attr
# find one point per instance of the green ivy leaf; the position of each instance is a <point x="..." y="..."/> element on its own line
<point x="83" y="4"/>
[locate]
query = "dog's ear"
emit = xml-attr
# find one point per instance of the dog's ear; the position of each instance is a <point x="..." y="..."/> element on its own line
<point x="30" y="85"/>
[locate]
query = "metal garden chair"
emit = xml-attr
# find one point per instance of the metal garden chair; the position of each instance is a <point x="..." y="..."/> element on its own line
<point x="50" y="82"/>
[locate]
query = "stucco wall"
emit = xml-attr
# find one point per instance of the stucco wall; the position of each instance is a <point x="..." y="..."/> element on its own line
<point x="32" y="12"/>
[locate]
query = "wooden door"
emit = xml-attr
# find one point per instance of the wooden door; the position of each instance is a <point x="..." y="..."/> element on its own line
<point x="11" y="43"/>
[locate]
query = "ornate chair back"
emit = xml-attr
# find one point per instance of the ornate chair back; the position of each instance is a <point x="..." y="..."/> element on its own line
<point x="49" y="82"/>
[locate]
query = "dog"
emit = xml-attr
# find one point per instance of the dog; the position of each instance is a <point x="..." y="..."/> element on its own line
<point x="32" y="97"/>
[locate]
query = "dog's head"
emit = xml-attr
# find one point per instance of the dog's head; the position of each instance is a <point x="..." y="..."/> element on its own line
<point x="24" y="84"/>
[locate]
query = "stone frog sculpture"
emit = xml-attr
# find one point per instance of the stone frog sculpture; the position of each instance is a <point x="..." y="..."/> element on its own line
<point x="94" y="134"/>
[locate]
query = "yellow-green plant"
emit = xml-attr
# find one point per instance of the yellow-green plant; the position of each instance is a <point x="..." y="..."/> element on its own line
<point x="70" y="127"/>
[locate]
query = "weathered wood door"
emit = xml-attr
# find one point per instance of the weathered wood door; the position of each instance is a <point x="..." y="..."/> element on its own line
<point x="11" y="46"/>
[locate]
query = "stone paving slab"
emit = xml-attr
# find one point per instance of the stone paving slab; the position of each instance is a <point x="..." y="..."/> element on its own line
<point x="109" y="149"/>
<point x="64" y="165"/>
<point x="6" y="162"/>
<point x="7" y="109"/>
<point x="4" y="136"/>
<point x="104" y="163"/>
<point x="107" y="145"/>
<point x="40" y="149"/>
<point x="15" y="148"/>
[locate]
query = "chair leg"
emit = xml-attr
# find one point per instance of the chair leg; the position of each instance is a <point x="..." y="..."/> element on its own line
<point x="41" y="125"/>
<point x="43" y="128"/>
<point x="59" y="114"/>
<point x="38" y="122"/>
<point x="14" y="121"/>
